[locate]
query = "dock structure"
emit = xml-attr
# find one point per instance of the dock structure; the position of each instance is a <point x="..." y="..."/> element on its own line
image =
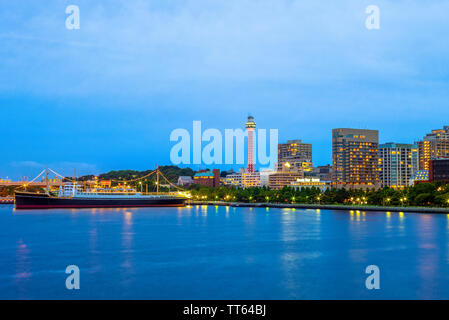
<point x="323" y="207"/>
<point x="6" y="200"/>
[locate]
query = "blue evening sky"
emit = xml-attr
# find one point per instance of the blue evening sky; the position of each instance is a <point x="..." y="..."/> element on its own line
<point x="108" y="95"/>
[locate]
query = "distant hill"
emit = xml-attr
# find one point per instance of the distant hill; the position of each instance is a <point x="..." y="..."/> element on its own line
<point x="171" y="172"/>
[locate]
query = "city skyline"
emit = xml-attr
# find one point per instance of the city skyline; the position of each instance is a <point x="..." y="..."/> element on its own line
<point x="303" y="150"/>
<point x="108" y="95"/>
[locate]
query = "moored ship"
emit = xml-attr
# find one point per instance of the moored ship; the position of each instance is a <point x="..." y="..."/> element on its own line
<point x="72" y="195"/>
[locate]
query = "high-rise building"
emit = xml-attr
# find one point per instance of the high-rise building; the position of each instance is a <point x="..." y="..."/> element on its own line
<point x="250" y="127"/>
<point x="439" y="170"/>
<point x="397" y="163"/>
<point x="434" y="145"/>
<point x="295" y="156"/>
<point x="355" y="157"/>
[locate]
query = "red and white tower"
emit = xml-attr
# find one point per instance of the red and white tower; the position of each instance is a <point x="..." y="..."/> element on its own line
<point x="250" y="127"/>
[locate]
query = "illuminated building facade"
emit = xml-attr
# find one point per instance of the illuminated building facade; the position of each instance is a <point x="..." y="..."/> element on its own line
<point x="434" y="145"/>
<point x="280" y="179"/>
<point x="397" y="163"/>
<point x="250" y="179"/>
<point x="233" y="180"/>
<point x="295" y="156"/>
<point x="311" y="183"/>
<point x="418" y="177"/>
<point x="242" y="180"/>
<point x="250" y="127"/>
<point x="355" y="157"/>
<point x="207" y="178"/>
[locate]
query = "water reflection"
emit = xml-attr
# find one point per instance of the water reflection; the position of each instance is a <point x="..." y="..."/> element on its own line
<point x="266" y="252"/>
<point x="127" y="251"/>
<point x="288" y="254"/>
<point x="427" y="256"/>
<point x="93" y="257"/>
<point x="23" y="268"/>
<point x="204" y="210"/>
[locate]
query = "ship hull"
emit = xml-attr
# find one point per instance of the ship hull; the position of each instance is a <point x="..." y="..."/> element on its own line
<point x="25" y="200"/>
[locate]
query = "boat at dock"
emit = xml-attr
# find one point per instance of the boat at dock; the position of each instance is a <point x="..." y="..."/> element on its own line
<point x="71" y="195"/>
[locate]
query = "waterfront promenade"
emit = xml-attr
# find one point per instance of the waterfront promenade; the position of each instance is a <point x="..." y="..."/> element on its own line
<point x="323" y="206"/>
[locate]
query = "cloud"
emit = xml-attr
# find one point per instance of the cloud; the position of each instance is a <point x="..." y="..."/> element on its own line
<point x="145" y="47"/>
<point x="138" y="69"/>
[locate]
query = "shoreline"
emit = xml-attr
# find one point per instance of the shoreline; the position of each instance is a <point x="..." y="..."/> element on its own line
<point x="322" y="206"/>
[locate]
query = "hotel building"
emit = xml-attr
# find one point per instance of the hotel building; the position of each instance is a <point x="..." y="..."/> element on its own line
<point x="355" y="157"/>
<point x="295" y="156"/>
<point x="434" y="145"/>
<point x="397" y="163"/>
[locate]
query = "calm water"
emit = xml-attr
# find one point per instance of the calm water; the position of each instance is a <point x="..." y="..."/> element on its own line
<point x="222" y="253"/>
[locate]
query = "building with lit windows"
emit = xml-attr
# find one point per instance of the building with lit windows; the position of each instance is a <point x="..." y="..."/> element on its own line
<point x="397" y="163"/>
<point x="207" y="178"/>
<point x="278" y="180"/>
<point x="295" y="156"/>
<point x="355" y="157"/>
<point x="433" y="146"/>
<point x="233" y="180"/>
<point x="242" y="179"/>
<point x="311" y="183"/>
<point x="250" y="179"/>
<point x="419" y="176"/>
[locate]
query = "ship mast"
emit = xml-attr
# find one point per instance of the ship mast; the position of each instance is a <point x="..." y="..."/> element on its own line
<point x="46" y="180"/>
<point x="157" y="180"/>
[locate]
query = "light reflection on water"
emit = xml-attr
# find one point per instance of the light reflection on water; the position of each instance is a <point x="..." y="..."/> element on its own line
<point x="212" y="252"/>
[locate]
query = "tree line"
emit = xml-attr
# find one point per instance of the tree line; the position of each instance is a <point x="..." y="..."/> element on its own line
<point x="424" y="194"/>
